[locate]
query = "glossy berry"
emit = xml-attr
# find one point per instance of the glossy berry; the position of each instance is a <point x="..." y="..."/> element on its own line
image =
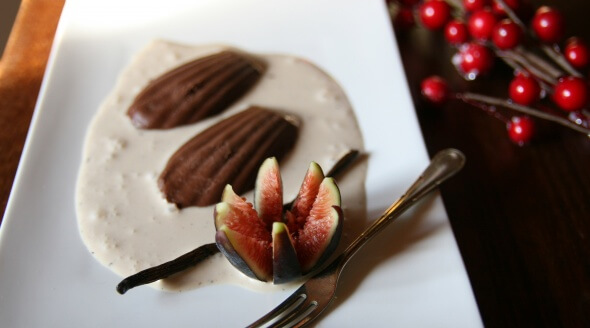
<point x="456" y="32"/>
<point x="497" y="8"/>
<point x="473" y="5"/>
<point x="404" y="19"/>
<point x="571" y="93"/>
<point x="506" y="35"/>
<point x="434" y="14"/>
<point x="481" y="24"/>
<point x="521" y="129"/>
<point x="435" y="89"/>
<point x="548" y="24"/>
<point x="524" y="90"/>
<point x="475" y="59"/>
<point x="577" y="53"/>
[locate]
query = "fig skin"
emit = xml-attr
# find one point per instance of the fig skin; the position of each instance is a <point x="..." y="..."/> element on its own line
<point x="225" y="246"/>
<point x="285" y="265"/>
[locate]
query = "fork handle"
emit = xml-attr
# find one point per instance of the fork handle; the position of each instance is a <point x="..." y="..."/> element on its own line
<point x="443" y="166"/>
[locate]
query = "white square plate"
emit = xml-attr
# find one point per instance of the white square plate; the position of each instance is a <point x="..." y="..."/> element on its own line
<point x="410" y="276"/>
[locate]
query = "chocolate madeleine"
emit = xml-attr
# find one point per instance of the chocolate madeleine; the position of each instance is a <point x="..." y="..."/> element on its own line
<point x="228" y="152"/>
<point x="195" y="90"/>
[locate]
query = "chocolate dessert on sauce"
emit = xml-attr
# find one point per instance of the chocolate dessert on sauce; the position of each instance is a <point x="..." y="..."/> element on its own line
<point x="228" y="152"/>
<point x="196" y="90"/>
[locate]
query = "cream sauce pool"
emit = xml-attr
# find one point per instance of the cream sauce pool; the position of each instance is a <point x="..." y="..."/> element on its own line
<point x="123" y="219"/>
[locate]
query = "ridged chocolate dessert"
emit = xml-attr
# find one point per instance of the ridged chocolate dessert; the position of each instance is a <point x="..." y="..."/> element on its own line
<point x="228" y="152"/>
<point x="195" y="90"/>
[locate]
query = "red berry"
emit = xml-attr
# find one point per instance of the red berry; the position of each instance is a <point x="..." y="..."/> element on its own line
<point x="404" y="18"/>
<point x="506" y="35"/>
<point x="571" y="93"/>
<point x="521" y="129"/>
<point x="475" y="59"/>
<point x="481" y="24"/>
<point x="434" y="14"/>
<point x="435" y="89"/>
<point x="524" y="90"/>
<point x="456" y="32"/>
<point x="473" y="5"/>
<point x="576" y="52"/>
<point x="499" y="10"/>
<point x="548" y="24"/>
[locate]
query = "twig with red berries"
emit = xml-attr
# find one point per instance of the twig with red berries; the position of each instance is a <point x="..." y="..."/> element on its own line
<point x="485" y="29"/>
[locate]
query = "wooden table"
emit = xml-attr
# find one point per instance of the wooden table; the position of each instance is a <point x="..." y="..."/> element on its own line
<point x="521" y="215"/>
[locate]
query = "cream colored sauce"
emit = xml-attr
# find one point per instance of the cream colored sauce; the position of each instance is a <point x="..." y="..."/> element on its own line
<point x="123" y="218"/>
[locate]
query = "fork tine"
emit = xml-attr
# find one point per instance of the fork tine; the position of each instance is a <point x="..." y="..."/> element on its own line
<point x="299" y="316"/>
<point x="289" y="305"/>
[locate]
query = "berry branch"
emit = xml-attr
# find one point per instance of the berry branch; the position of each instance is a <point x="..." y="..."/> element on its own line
<point x="557" y="57"/>
<point x="510" y="13"/>
<point x="548" y="83"/>
<point x="474" y="97"/>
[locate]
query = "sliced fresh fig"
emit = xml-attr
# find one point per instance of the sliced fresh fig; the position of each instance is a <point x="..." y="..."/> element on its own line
<point x="227" y="249"/>
<point x="333" y="233"/>
<point x="305" y="198"/>
<point x="322" y="227"/>
<point x="285" y="265"/>
<point x="268" y="192"/>
<point x="243" y="237"/>
<point x="266" y="244"/>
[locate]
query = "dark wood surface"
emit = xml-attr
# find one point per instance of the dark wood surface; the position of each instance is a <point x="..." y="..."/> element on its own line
<point x="521" y="215"/>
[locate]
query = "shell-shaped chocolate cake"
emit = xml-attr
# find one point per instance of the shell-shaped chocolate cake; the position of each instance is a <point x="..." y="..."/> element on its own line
<point x="228" y="152"/>
<point x="195" y="90"/>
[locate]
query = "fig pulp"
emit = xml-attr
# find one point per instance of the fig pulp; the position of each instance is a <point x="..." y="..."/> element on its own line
<point x="267" y="242"/>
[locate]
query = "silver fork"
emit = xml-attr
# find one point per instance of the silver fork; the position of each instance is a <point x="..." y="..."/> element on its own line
<point x="311" y="299"/>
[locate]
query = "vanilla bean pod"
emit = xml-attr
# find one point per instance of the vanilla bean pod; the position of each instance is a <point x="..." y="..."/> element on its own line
<point x="167" y="269"/>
